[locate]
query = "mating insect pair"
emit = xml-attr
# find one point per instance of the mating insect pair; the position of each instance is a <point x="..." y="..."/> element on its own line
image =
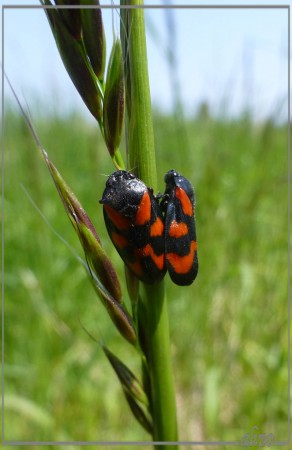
<point x="151" y="237"/>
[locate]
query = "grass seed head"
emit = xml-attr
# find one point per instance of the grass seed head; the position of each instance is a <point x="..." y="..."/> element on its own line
<point x="133" y="390"/>
<point x="113" y="110"/>
<point x="75" y="60"/>
<point x="103" y="274"/>
<point x="94" y="37"/>
<point x="71" y="17"/>
<point x="98" y="262"/>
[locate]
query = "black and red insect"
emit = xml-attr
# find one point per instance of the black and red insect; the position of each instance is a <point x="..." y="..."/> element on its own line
<point x="135" y="224"/>
<point x="180" y="231"/>
<point x="152" y="238"/>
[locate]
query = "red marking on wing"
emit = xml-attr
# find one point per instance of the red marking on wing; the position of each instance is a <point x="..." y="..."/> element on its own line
<point x="119" y="240"/>
<point x="157" y="259"/>
<point x="177" y="230"/>
<point x="182" y="264"/>
<point x="144" y="211"/>
<point x="121" y="222"/>
<point x="157" y="228"/>
<point x="185" y="201"/>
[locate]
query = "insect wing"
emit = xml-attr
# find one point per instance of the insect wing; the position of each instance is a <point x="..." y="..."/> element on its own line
<point x="135" y="225"/>
<point x="180" y="231"/>
<point x="149" y="235"/>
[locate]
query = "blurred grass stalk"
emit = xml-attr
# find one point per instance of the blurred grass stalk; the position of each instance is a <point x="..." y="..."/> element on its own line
<point x="154" y="318"/>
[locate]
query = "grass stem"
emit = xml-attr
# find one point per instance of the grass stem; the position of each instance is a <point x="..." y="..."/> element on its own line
<point x="142" y="158"/>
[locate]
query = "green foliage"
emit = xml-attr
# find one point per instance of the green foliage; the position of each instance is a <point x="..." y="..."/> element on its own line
<point x="228" y="330"/>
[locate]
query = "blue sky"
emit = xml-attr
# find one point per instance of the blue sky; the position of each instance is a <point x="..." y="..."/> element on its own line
<point x="236" y="58"/>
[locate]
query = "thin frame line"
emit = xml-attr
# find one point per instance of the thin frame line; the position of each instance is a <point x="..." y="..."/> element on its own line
<point x="131" y="443"/>
<point x="2" y="228"/>
<point x="289" y="229"/>
<point x="210" y="6"/>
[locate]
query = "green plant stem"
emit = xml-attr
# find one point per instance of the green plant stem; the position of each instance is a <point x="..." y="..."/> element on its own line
<point x="160" y="367"/>
<point x="142" y="158"/>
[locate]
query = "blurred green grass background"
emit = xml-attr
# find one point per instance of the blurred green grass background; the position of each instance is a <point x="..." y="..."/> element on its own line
<point x="229" y="330"/>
